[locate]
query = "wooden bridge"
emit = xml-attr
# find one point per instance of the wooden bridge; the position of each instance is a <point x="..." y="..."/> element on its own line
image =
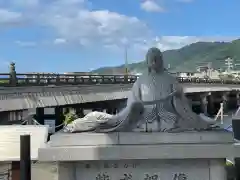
<point x="47" y="79"/>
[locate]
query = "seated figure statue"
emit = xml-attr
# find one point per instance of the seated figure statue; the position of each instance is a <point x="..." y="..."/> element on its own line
<point x="156" y="103"/>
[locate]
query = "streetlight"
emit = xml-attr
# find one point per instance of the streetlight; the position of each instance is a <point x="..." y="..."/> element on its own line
<point x="124" y="42"/>
<point x="126" y="60"/>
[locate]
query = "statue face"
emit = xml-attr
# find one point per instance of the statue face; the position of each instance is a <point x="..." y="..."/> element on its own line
<point x="155" y="63"/>
<point x="154" y="60"/>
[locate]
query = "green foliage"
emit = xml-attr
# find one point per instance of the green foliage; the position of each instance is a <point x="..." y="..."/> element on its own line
<point x="228" y="163"/>
<point x="189" y="57"/>
<point x="70" y="117"/>
<point x="4" y="81"/>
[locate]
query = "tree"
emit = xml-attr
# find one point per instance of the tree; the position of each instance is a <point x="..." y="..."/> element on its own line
<point x="70" y="117"/>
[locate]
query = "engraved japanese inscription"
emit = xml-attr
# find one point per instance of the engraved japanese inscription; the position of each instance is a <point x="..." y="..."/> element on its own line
<point x="144" y="170"/>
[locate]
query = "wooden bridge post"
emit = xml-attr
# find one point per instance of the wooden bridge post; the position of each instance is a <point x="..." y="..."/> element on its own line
<point x="236" y="133"/>
<point x="59" y="117"/>
<point x="225" y="100"/>
<point x="210" y="105"/>
<point x="204" y="103"/>
<point x="238" y="99"/>
<point x="40" y="115"/>
<point x="25" y="157"/>
<point x="80" y="112"/>
<point x="12" y="75"/>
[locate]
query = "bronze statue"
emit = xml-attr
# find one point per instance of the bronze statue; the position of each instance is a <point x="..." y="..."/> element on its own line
<point x="156" y="103"/>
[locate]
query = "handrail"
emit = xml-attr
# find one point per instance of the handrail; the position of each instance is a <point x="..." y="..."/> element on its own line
<point x="45" y="79"/>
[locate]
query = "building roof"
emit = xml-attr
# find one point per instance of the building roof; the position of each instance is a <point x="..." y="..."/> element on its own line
<point x="10" y="140"/>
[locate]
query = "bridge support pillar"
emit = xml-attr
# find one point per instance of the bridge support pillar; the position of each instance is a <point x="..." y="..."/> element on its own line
<point x="80" y="112"/>
<point x="204" y="104"/>
<point x="97" y="109"/>
<point x="40" y="115"/>
<point x="66" y="110"/>
<point x="225" y="100"/>
<point x="115" y="110"/>
<point x="238" y="99"/>
<point x="210" y="106"/>
<point x="109" y="110"/>
<point x="59" y="118"/>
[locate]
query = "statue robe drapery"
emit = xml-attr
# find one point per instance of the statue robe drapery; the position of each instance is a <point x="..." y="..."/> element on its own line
<point x="174" y="113"/>
<point x="165" y="116"/>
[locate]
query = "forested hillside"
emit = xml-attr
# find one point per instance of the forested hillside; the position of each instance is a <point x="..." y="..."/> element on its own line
<point x="189" y="57"/>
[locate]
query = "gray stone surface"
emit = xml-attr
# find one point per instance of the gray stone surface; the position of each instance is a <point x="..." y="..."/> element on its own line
<point x="114" y="152"/>
<point x="104" y="147"/>
<point x="163" y="170"/>
<point x="44" y="171"/>
<point x="83" y="139"/>
<point x="85" y="156"/>
<point x="195" y="169"/>
<point x="135" y="138"/>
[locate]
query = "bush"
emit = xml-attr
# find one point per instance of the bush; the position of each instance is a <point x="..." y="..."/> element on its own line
<point x="70" y="117"/>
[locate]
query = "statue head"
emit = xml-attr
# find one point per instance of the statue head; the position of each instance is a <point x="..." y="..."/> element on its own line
<point x="12" y="67"/>
<point x="154" y="60"/>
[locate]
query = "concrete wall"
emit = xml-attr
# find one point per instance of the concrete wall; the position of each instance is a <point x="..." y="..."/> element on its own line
<point x="44" y="171"/>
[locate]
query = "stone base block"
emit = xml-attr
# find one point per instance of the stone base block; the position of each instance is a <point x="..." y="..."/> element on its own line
<point x="195" y="169"/>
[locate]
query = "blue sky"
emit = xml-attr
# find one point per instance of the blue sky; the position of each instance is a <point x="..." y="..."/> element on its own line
<point x="80" y="35"/>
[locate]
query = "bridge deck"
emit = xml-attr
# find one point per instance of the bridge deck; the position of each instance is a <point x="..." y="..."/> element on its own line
<point x="15" y="98"/>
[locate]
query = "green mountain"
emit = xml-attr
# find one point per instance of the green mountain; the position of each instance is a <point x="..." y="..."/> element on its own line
<point x="188" y="57"/>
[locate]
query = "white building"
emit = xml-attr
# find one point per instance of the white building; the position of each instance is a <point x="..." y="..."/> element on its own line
<point x="10" y="148"/>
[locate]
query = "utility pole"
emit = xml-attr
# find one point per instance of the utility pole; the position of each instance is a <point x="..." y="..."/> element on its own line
<point x="126" y="59"/>
<point x="209" y="70"/>
<point x="229" y="63"/>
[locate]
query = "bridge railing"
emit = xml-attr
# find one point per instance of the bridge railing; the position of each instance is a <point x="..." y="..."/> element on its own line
<point x="62" y="79"/>
<point x="7" y="79"/>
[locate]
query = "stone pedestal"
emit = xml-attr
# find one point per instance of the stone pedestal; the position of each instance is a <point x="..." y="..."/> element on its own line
<point x="136" y="156"/>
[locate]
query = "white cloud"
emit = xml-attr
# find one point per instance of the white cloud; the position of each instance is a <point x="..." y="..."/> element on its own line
<point x="74" y="23"/>
<point x="26" y="43"/>
<point x="175" y="42"/>
<point x="79" y="24"/>
<point x="151" y="6"/>
<point x="60" y="41"/>
<point x="9" y="17"/>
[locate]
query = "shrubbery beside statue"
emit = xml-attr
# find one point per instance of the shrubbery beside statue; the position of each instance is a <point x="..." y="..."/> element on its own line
<point x="156" y="103"/>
